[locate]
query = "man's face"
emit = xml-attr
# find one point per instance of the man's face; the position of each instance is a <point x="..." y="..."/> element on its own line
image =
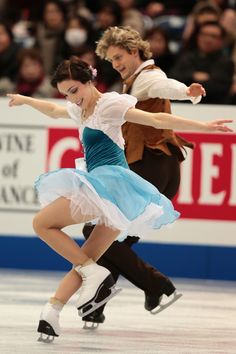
<point x="210" y="39"/>
<point x="122" y="61"/>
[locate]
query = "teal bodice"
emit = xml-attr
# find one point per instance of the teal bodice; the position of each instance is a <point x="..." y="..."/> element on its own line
<point x="100" y="150"/>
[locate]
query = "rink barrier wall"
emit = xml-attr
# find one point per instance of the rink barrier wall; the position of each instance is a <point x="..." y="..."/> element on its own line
<point x="175" y="260"/>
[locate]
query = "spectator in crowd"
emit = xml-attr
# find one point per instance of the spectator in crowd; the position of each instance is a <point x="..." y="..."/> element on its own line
<point x="50" y="34"/>
<point x="78" y="34"/>
<point x="8" y="58"/>
<point x="31" y="79"/>
<point x="131" y="16"/>
<point x="159" y="45"/>
<point x="12" y="10"/>
<point x="166" y="7"/>
<point x="203" y="11"/>
<point x="109" y="14"/>
<point x="207" y="64"/>
<point x="228" y="21"/>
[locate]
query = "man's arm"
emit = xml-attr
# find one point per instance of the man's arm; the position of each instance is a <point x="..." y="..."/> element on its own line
<point x="155" y="83"/>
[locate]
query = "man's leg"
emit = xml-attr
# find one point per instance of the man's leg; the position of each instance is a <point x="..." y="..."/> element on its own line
<point x="138" y="272"/>
<point x="160" y="170"/>
<point x="115" y="259"/>
<point x="164" y="172"/>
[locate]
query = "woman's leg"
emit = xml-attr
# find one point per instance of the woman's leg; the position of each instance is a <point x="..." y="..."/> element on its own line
<point x="99" y="241"/>
<point x="48" y="224"/>
<point x="97" y="281"/>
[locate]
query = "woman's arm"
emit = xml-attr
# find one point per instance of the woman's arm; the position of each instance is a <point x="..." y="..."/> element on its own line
<point x="170" y="121"/>
<point x="50" y="109"/>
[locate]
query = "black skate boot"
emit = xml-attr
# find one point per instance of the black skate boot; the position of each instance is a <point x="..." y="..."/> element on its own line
<point x="93" y="320"/>
<point x="155" y="304"/>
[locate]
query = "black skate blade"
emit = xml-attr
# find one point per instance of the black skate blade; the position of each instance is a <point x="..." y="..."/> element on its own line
<point x="161" y="307"/>
<point x="93" y="305"/>
<point x="45" y="328"/>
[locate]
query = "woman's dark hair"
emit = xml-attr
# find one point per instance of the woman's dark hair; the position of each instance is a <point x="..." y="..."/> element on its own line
<point x="72" y="69"/>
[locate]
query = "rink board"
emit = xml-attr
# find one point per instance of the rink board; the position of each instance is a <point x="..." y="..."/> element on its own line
<point x="202" y="244"/>
<point x="176" y="260"/>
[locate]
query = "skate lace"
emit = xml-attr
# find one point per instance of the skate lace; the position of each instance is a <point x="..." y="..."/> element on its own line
<point x="84" y="280"/>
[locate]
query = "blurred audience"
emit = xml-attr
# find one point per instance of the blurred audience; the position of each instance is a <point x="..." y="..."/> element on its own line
<point x="109" y="14"/>
<point x="61" y="28"/>
<point x="31" y="78"/>
<point x="131" y="16"/>
<point x="78" y="35"/>
<point x="8" y="58"/>
<point x="159" y="45"/>
<point x="203" y="11"/>
<point x="50" y="34"/>
<point x="207" y="64"/>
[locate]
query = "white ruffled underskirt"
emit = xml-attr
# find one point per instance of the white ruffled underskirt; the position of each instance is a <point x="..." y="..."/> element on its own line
<point x="91" y="200"/>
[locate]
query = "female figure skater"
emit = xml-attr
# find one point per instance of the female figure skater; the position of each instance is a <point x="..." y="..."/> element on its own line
<point x="72" y="196"/>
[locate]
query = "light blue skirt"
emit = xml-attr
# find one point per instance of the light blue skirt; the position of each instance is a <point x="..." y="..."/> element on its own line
<point x="113" y="195"/>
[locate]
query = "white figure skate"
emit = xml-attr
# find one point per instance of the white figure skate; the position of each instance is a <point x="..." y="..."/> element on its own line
<point x="98" y="287"/>
<point x="49" y="323"/>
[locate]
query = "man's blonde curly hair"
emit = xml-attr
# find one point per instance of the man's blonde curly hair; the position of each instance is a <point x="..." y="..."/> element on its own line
<point x="124" y="37"/>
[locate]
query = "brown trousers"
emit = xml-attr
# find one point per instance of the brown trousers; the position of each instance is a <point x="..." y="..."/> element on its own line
<point x="164" y="172"/>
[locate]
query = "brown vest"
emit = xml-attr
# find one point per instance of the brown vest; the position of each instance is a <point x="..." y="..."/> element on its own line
<point x="137" y="136"/>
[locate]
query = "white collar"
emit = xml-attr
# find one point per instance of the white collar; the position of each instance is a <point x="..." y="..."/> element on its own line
<point x="143" y="65"/>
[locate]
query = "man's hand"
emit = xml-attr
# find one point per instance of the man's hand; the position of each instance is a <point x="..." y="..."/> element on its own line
<point x="195" y="90"/>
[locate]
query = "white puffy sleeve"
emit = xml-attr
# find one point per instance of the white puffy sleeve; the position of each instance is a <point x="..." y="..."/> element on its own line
<point x="74" y="112"/>
<point x="155" y="83"/>
<point x="114" y="106"/>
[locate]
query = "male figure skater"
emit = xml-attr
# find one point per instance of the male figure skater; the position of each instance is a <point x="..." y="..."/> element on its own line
<point x="153" y="154"/>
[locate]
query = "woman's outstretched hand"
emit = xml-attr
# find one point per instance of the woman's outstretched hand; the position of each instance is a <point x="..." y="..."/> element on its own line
<point x="15" y="99"/>
<point x="219" y="125"/>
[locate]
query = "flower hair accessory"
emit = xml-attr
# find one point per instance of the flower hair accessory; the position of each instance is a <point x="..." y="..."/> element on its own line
<point x="93" y="71"/>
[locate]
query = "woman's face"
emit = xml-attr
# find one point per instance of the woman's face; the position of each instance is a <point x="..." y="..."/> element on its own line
<point x="53" y="16"/>
<point x="31" y="69"/>
<point x="76" y="92"/>
<point x="158" y="44"/>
